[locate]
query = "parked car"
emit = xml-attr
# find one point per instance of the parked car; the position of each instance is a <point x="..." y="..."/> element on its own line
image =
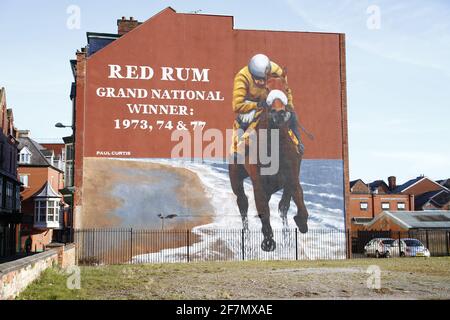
<point x="408" y="248"/>
<point x="378" y="247"/>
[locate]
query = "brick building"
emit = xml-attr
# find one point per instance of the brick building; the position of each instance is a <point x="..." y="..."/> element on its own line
<point x="224" y="50"/>
<point x="367" y="201"/>
<point x="10" y="208"/>
<point x="42" y="203"/>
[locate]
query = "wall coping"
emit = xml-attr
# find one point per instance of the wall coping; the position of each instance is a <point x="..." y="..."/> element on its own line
<point x="24" y="262"/>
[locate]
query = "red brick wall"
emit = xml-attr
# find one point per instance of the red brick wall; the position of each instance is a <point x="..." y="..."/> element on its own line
<point x="359" y="187"/>
<point x="374" y="204"/>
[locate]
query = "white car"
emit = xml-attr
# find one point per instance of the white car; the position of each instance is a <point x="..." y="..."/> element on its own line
<point x="378" y="247"/>
<point x="409" y="248"/>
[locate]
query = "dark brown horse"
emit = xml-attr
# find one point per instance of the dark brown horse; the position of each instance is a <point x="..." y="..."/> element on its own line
<point x="274" y="117"/>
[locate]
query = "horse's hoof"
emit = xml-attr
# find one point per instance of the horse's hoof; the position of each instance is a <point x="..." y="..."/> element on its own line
<point x="268" y="244"/>
<point x="301" y="223"/>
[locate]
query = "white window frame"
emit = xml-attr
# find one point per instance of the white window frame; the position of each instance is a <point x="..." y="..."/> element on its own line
<point x="364" y="206"/>
<point x="47" y="211"/>
<point x="68" y="174"/>
<point x="24" y="179"/>
<point x="383" y="205"/>
<point x="25" y="156"/>
<point x="401" y="206"/>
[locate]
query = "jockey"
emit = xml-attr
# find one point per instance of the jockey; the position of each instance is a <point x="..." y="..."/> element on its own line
<point x="250" y="94"/>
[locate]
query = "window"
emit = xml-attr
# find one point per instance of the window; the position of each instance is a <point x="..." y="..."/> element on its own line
<point x="401" y="206"/>
<point x="69" y="152"/>
<point x="25" y="156"/>
<point x="385" y="205"/>
<point x="24" y="179"/>
<point x="68" y="175"/>
<point x="363" y="206"/>
<point x="46" y="211"/>
<point x="9" y="195"/>
<point x="1" y="192"/>
<point x="18" y="204"/>
<point x="40" y="208"/>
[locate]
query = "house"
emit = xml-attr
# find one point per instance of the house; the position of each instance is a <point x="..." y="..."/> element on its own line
<point x="42" y="202"/>
<point x="10" y="206"/>
<point x="369" y="200"/>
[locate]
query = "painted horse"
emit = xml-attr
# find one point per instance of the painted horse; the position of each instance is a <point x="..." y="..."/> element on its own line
<point x="274" y="116"/>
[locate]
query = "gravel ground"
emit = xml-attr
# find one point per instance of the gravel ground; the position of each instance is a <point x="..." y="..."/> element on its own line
<point x="401" y="278"/>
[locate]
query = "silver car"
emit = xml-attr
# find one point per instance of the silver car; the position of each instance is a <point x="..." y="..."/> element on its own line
<point x="409" y="247"/>
<point x="378" y="247"/>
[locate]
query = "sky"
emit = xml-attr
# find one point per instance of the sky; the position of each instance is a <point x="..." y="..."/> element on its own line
<point x="398" y="68"/>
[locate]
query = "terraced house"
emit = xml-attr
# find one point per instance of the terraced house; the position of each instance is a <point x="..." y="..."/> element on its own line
<point x="10" y="208"/>
<point x="43" y="207"/>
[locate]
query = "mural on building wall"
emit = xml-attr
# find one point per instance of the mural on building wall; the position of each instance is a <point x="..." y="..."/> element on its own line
<point x="168" y="133"/>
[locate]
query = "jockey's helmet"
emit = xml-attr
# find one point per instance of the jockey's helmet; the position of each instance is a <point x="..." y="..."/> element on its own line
<point x="259" y="66"/>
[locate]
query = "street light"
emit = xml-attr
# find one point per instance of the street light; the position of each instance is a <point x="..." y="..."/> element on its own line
<point x="60" y="125"/>
<point x="169" y="216"/>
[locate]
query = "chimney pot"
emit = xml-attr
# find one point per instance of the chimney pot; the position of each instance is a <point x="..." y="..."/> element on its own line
<point x="392" y="180"/>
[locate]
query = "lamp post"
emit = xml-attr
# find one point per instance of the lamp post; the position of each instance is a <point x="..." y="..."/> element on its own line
<point x="60" y="125"/>
<point x="68" y="189"/>
<point x="169" y="216"/>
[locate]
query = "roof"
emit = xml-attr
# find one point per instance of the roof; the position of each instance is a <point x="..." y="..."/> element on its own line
<point x="445" y="183"/>
<point x="428" y="219"/>
<point x="97" y="41"/>
<point x="46" y="192"/>
<point x="412" y="182"/>
<point x="421" y="200"/>
<point x="377" y="183"/>
<point x="407" y="184"/>
<point x="353" y="182"/>
<point x="441" y="199"/>
<point x="361" y="220"/>
<point x="38" y="152"/>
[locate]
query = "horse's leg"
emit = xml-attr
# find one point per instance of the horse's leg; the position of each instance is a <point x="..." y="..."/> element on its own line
<point x="283" y="206"/>
<point x="301" y="218"/>
<point x="262" y="206"/>
<point x="237" y="184"/>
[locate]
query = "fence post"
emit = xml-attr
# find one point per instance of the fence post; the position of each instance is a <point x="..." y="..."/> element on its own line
<point x="243" y="245"/>
<point x="131" y="245"/>
<point x="446" y="243"/>
<point x="187" y="245"/>
<point x="349" y="252"/>
<point x="93" y="243"/>
<point x="296" y="244"/>
<point x="399" y="244"/>
<point x="427" y="240"/>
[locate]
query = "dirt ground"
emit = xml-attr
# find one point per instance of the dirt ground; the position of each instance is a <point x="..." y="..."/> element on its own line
<point x="400" y="278"/>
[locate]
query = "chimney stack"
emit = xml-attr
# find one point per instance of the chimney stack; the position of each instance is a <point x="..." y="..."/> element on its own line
<point x="125" y="25"/>
<point x="24" y="133"/>
<point x="392" y="183"/>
